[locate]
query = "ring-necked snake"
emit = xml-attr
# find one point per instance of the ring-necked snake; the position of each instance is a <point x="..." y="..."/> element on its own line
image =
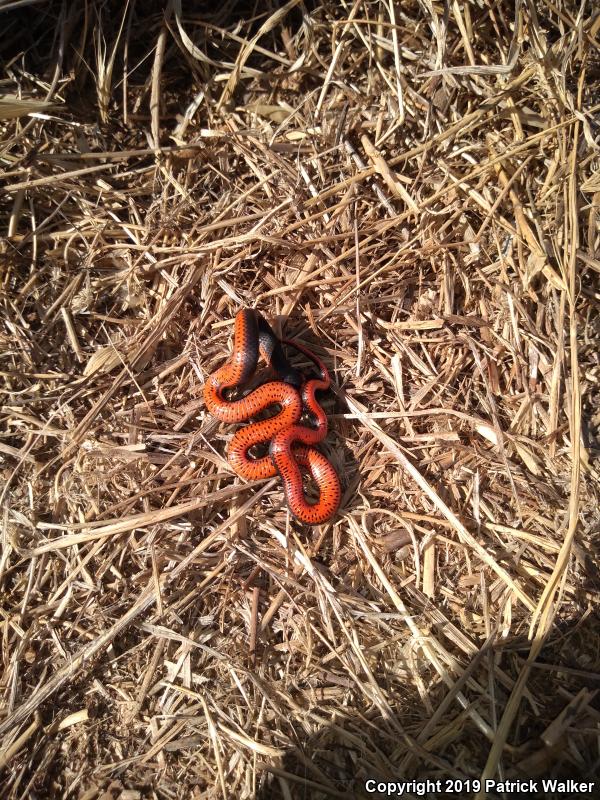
<point x="291" y="443"/>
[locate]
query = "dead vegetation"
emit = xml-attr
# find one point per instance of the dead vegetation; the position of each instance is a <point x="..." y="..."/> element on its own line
<point x="410" y="189"/>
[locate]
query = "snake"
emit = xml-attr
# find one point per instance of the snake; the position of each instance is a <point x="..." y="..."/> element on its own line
<point x="291" y="443"/>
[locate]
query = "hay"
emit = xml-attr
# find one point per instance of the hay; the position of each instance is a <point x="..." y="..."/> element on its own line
<point x="412" y="191"/>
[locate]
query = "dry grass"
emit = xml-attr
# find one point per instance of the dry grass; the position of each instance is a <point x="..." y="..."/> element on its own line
<point x="411" y="190"/>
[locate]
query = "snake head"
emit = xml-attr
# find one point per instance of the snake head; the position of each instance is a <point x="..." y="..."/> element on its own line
<point x="292" y="376"/>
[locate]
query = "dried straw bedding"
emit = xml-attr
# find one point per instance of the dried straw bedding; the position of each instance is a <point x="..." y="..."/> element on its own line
<point x="412" y="191"/>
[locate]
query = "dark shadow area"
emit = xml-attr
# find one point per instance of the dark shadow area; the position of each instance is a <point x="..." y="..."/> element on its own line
<point x="552" y="759"/>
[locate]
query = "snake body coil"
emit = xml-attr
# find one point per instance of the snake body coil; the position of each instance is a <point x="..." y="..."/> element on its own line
<point x="291" y="444"/>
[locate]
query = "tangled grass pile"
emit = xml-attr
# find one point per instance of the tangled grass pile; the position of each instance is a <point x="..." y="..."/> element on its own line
<point x="409" y="189"/>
